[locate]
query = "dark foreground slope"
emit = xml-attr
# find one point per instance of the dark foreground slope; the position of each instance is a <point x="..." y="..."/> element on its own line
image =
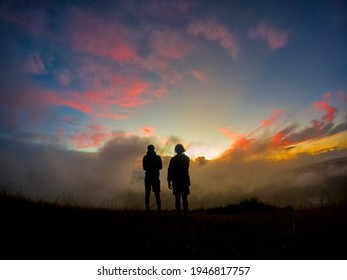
<point x="32" y="230"/>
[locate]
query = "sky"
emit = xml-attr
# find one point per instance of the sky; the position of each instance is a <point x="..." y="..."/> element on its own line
<point x="261" y="81"/>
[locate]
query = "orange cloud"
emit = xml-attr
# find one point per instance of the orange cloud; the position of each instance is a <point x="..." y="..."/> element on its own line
<point x="238" y="141"/>
<point x="273" y="118"/>
<point x="212" y="30"/>
<point x="148" y="131"/>
<point x="275" y="37"/>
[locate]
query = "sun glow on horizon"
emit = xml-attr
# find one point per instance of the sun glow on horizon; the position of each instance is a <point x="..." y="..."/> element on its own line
<point x="209" y="152"/>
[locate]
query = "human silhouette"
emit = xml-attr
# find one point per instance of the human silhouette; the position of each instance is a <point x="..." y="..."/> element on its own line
<point x="152" y="163"/>
<point x="178" y="179"/>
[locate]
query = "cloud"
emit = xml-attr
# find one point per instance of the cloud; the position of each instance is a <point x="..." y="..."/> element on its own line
<point x="95" y="36"/>
<point x="273" y="36"/>
<point x="213" y="30"/>
<point x="169" y="44"/>
<point x="199" y="75"/>
<point x="330" y="111"/>
<point x="34" y="64"/>
<point x="168" y="75"/>
<point x="34" y="20"/>
<point x="165" y="10"/>
<point x="238" y="141"/>
<point x="279" y="139"/>
<point x="112" y="116"/>
<point x="343" y="96"/>
<point x="75" y="101"/>
<point x="103" y="178"/>
<point x="93" y="136"/>
<point x="273" y="118"/>
<point x="63" y="77"/>
<point x="113" y="175"/>
<point x="148" y="131"/>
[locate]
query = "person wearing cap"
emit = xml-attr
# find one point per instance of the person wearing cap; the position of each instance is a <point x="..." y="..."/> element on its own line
<point x="178" y="179"/>
<point x="152" y="165"/>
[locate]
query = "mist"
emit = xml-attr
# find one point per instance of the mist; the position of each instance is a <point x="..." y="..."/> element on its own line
<point x="113" y="176"/>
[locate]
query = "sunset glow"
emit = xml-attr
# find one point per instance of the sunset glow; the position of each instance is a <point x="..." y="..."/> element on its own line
<point x="230" y="80"/>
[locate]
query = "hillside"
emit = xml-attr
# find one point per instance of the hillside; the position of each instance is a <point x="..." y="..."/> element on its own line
<point x="41" y="230"/>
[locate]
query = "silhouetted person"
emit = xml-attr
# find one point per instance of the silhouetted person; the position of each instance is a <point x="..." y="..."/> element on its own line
<point x="152" y="163"/>
<point x="178" y="175"/>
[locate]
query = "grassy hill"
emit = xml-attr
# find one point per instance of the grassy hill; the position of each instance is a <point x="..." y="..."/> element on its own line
<point x="251" y="230"/>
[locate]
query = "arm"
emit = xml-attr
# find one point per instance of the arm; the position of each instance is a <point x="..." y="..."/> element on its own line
<point x="169" y="175"/>
<point x="144" y="163"/>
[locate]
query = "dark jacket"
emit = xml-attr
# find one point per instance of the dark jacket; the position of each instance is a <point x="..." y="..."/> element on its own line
<point x="152" y="163"/>
<point x="178" y="172"/>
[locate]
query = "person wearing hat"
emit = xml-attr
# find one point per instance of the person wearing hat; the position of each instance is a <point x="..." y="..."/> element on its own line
<point x="178" y="179"/>
<point x="152" y="165"/>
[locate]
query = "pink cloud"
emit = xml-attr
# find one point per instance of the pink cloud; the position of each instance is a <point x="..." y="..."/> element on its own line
<point x="328" y="95"/>
<point x="273" y="118"/>
<point x="163" y="69"/>
<point x="107" y="87"/>
<point x="74" y="102"/>
<point x="93" y="136"/>
<point x="212" y="30"/>
<point x="275" y="37"/>
<point x="330" y="111"/>
<point x="95" y="36"/>
<point x="133" y="93"/>
<point x="199" y="75"/>
<point x="169" y="44"/>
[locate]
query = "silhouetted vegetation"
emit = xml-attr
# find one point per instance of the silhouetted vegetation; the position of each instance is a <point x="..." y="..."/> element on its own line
<point x="248" y="205"/>
<point x="34" y="229"/>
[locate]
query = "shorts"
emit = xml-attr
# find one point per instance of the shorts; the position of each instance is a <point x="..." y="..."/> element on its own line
<point x="178" y="190"/>
<point x="152" y="184"/>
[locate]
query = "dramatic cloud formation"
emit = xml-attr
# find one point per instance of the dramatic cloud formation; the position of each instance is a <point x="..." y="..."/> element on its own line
<point x="85" y="86"/>
<point x="113" y="176"/>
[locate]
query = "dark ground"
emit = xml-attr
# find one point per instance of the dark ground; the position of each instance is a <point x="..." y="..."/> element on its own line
<point x="38" y="230"/>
